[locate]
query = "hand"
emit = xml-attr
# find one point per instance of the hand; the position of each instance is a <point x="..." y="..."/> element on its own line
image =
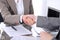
<point x="45" y="36"/>
<point x="29" y="19"/>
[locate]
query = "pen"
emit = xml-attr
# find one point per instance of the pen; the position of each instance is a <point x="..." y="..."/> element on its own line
<point x="14" y="28"/>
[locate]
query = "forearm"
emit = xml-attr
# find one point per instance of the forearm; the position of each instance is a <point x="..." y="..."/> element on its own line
<point x="46" y="35"/>
<point x="7" y="15"/>
<point x="12" y="19"/>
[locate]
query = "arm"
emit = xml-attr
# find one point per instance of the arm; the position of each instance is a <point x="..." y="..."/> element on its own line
<point x="49" y="23"/>
<point x="46" y="35"/>
<point x="8" y="18"/>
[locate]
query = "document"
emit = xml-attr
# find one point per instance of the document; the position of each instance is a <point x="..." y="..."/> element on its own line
<point x="25" y="38"/>
<point x="20" y="31"/>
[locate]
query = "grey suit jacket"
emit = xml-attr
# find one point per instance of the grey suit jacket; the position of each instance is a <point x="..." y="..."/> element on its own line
<point x="9" y="11"/>
<point x="49" y="23"/>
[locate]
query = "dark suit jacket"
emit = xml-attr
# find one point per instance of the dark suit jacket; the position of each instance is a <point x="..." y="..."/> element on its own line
<point x="49" y="23"/>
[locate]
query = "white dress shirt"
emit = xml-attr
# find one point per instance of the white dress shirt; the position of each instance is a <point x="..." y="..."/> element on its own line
<point x="19" y="6"/>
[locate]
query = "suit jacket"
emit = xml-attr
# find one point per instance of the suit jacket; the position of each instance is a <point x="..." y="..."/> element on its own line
<point x="9" y="11"/>
<point x="49" y="23"/>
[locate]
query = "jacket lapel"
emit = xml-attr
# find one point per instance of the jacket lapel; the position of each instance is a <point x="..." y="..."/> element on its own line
<point x="12" y="5"/>
<point x="26" y="6"/>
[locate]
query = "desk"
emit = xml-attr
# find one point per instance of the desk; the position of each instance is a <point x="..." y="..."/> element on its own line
<point x="10" y="34"/>
<point x="26" y="38"/>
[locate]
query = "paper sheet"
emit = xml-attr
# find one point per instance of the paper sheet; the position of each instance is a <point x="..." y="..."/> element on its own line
<point x="20" y="31"/>
<point x="26" y="38"/>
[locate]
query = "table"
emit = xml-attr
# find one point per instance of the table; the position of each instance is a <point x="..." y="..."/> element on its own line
<point x="22" y="33"/>
<point x="25" y="38"/>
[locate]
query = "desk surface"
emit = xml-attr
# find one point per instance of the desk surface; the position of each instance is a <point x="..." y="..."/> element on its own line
<point x="17" y="35"/>
<point x="25" y="38"/>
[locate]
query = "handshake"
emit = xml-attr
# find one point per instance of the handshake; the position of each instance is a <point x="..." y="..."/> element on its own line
<point x="29" y="19"/>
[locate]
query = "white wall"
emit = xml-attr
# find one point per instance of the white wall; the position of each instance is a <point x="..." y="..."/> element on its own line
<point x="54" y="4"/>
<point x="40" y="7"/>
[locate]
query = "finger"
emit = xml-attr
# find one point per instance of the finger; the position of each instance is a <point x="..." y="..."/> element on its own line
<point x="25" y="21"/>
<point x="30" y="21"/>
<point x="32" y="17"/>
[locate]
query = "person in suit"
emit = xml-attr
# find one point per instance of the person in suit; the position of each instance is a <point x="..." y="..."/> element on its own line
<point x="48" y="24"/>
<point x="11" y="10"/>
<point x="14" y="11"/>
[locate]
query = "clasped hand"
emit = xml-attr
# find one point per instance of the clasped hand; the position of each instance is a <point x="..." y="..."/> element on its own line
<point x="29" y="19"/>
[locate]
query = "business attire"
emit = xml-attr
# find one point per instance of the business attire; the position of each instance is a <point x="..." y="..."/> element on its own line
<point x="11" y="11"/>
<point x="49" y="23"/>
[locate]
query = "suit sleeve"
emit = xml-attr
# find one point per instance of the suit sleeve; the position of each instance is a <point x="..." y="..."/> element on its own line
<point x="8" y="18"/>
<point x="49" y="23"/>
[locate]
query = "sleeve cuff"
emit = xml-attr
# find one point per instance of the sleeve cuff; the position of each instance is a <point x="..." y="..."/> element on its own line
<point x="38" y="29"/>
<point x="21" y="21"/>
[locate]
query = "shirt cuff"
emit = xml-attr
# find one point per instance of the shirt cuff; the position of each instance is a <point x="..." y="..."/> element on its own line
<point x="21" y="19"/>
<point x="38" y="29"/>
